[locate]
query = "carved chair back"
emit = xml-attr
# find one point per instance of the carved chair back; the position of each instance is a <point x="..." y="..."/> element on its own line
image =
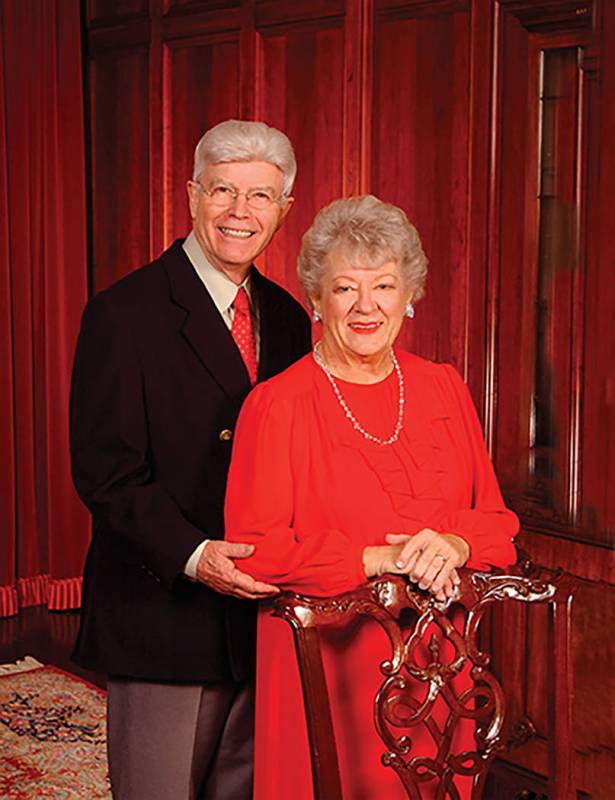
<point x="388" y="599"/>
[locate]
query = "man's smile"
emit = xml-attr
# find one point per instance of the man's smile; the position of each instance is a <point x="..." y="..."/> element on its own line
<point x="238" y="233"/>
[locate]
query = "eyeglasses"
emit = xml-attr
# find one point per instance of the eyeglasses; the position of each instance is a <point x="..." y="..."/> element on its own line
<point x="224" y="195"/>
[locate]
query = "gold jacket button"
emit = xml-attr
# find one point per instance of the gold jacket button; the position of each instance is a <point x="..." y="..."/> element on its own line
<point x="225" y="435"/>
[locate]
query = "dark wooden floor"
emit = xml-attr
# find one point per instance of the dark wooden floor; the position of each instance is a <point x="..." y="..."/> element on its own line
<point x="48" y="636"/>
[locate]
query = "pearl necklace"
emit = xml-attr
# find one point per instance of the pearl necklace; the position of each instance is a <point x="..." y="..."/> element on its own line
<point x="351" y="417"/>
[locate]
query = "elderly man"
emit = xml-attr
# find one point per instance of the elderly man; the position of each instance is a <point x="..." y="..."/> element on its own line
<point x="164" y="361"/>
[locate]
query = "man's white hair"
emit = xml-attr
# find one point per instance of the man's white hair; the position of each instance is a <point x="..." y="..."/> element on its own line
<point x="238" y="140"/>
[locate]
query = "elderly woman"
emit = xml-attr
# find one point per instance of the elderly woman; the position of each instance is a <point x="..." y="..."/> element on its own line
<point x="358" y="460"/>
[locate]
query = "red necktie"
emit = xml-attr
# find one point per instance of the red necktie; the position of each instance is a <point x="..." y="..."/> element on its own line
<point x="243" y="333"/>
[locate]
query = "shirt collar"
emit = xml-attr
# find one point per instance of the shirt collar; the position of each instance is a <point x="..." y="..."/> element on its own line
<point x="221" y="288"/>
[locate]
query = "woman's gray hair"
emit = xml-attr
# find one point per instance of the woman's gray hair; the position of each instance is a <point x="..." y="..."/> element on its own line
<point x="368" y="233"/>
<point x="237" y="140"/>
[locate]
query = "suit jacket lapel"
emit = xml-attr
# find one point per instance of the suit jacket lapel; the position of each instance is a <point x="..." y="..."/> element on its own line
<point x="200" y="323"/>
<point x="273" y="356"/>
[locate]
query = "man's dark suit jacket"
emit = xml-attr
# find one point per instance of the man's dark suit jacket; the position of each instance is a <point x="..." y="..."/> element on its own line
<point x="157" y="380"/>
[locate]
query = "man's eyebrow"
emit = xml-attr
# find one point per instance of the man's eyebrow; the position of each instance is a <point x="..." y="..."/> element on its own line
<point x="251" y="189"/>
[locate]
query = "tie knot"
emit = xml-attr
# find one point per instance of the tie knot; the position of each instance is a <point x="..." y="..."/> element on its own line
<point x="241" y="304"/>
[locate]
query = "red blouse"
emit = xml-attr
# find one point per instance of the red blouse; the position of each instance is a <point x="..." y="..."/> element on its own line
<point x="311" y="492"/>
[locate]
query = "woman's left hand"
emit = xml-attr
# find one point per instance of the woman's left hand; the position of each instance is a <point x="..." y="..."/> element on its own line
<point x="430" y="559"/>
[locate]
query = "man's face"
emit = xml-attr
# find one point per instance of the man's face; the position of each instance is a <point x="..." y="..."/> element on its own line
<point x="233" y="236"/>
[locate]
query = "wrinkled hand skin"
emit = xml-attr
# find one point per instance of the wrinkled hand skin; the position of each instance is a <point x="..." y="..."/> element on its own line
<point x="429" y="558"/>
<point x="216" y="569"/>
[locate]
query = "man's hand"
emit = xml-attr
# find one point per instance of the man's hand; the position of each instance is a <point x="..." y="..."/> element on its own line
<point x="217" y="570"/>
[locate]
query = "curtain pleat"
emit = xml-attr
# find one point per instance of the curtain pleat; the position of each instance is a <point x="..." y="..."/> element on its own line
<point x="43" y="287"/>
<point x="33" y="591"/>
<point x="8" y="511"/>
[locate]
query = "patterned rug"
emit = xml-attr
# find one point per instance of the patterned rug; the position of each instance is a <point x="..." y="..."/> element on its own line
<point x="52" y="735"/>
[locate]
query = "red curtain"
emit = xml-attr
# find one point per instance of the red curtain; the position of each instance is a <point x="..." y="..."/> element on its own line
<point x="44" y="530"/>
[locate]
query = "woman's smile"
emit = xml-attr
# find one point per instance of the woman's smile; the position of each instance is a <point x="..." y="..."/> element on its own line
<point x="365" y="327"/>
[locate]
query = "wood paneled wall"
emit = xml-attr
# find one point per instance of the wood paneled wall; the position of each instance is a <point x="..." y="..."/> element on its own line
<point x="491" y="123"/>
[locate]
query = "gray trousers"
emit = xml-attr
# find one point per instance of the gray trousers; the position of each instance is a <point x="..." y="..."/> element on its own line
<point x="180" y="741"/>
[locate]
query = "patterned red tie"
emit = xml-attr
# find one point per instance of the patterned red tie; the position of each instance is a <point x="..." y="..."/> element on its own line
<point x="243" y="333"/>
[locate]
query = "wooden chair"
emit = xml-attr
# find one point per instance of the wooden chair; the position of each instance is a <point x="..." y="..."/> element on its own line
<point x="385" y="599"/>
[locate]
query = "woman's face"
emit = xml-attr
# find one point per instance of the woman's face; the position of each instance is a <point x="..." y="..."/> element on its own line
<point x="362" y="308"/>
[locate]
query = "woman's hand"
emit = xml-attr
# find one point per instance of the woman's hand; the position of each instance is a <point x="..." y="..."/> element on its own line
<point x="380" y="559"/>
<point x="430" y="559"/>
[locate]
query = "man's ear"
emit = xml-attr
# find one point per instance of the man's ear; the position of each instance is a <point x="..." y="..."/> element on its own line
<point x="193" y="197"/>
<point x="285" y="209"/>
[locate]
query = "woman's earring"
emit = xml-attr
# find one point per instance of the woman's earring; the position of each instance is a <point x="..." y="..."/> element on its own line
<point x="316" y="315"/>
<point x="409" y="310"/>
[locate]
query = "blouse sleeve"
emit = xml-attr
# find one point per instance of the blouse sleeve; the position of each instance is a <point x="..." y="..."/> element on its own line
<point x="487" y="526"/>
<point x="260" y="499"/>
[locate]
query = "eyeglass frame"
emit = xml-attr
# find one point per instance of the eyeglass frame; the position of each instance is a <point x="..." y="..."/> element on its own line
<point x="281" y="200"/>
